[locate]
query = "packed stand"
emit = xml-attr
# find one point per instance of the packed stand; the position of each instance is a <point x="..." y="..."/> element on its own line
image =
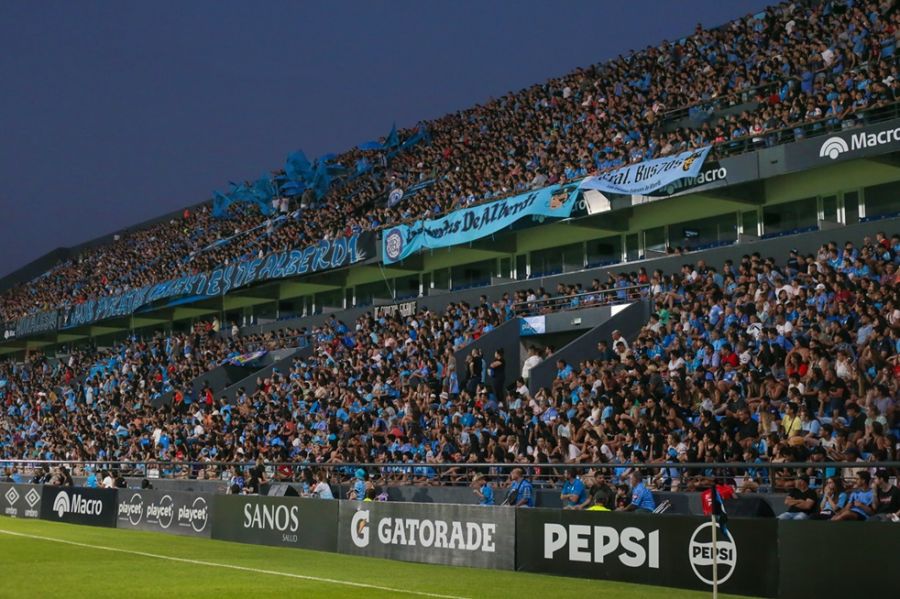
<point x="794" y="64"/>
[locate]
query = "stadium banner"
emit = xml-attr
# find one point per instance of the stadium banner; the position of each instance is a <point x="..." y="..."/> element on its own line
<point x="173" y="512"/>
<point x="20" y="500"/>
<point x="650" y="175"/>
<point x="79" y="505"/>
<point x="327" y="254"/>
<point x="673" y="551"/>
<point x="457" y="535"/>
<point x="36" y="323"/>
<point x="471" y="224"/>
<point x="823" y="150"/>
<point x="404" y="309"/>
<point x="280" y="521"/>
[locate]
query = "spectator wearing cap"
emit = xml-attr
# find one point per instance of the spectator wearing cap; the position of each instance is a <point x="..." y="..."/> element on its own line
<point x="358" y="488"/>
<point x="802" y="502"/>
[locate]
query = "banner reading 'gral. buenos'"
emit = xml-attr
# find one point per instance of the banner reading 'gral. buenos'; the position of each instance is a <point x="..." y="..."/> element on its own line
<point x="469" y="224"/>
<point x="458" y="535"/>
<point x="650" y="175"/>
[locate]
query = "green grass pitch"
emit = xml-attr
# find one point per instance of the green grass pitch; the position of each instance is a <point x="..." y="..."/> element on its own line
<point x="77" y="561"/>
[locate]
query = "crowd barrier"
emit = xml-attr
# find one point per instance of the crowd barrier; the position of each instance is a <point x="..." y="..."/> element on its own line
<point x="758" y="557"/>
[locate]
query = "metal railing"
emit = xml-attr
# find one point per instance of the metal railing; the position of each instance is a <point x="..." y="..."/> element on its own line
<point x="760" y="477"/>
<point x="577" y="301"/>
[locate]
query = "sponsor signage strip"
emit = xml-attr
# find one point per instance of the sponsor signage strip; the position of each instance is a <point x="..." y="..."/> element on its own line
<point x="850" y="144"/>
<point x="20" y="500"/>
<point x="165" y="511"/>
<point x="79" y="505"/>
<point x="280" y="521"/>
<point x="457" y="535"/>
<point x="673" y="551"/>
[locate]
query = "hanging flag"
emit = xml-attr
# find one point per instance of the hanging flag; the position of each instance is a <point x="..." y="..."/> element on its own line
<point x="392" y="138"/>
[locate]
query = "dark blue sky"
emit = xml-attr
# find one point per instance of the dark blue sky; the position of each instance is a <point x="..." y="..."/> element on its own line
<point x="115" y="112"/>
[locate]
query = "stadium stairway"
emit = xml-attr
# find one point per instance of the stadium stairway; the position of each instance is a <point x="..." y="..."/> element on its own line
<point x="226" y="376"/>
<point x="505" y="337"/>
<point x="627" y="319"/>
<point x="277" y="360"/>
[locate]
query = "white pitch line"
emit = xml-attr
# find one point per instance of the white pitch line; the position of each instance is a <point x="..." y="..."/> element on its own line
<point x="196" y="562"/>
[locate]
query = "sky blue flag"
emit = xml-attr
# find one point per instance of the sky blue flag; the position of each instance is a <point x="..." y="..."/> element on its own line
<point x="321" y="180"/>
<point x="363" y="166"/>
<point x="297" y="167"/>
<point x="392" y="138"/>
<point x="370" y="145"/>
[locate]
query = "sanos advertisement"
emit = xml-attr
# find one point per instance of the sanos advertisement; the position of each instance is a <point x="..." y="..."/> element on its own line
<point x="79" y="505"/>
<point x="20" y="501"/>
<point x="282" y="521"/>
<point x="458" y="535"/>
<point x="165" y="511"/>
<point x="675" y="551"/>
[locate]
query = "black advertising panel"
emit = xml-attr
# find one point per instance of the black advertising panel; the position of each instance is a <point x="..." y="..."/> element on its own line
<point x="860" y="142"/>
<point x="458" y="535"/>
<point x="281" y="521"/>
<point x="837" y="559"/>
<point x="20" y="501"/>
<point x="674" y="551"/>
<point x="79" y="505"/>
<point x="165" y="511"/>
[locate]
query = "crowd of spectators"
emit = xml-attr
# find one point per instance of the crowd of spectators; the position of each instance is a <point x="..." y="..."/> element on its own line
<point x="758" y="362"/>
<point x="795" y="67"/>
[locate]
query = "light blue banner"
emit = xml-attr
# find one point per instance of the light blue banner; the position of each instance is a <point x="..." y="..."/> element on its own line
<point x="469" y="224"/>
<point x="646" y="177"/>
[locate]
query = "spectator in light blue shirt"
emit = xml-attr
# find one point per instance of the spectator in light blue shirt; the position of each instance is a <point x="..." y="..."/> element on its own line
<point x="521" y="493"/>
<point x="483" y="490"/>
<point x="574" y="495"/>
<point x="641" y="497"/>
<point x="861" y="504"/>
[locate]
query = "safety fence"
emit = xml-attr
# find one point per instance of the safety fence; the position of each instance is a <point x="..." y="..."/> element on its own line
<point x="670" y="475"/>
<point x="760" y="557"/>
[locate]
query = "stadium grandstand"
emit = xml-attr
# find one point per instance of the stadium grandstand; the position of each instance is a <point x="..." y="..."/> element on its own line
<point x="663" y="283"/>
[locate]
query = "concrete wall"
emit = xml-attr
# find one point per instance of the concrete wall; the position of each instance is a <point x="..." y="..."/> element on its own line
<point x="505" y="337"/>
<point x="628" y="321"/>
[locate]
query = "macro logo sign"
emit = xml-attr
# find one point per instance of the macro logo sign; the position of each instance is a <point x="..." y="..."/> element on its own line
<point x="700" y="554"/>
<point x="359" y="528"/>
<point x="836" y="146"/>
<point x="19" y="502"/>
<point x="76" y="505"/>
<point x="393" y="244"/>
<point x="833" y="147"/>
